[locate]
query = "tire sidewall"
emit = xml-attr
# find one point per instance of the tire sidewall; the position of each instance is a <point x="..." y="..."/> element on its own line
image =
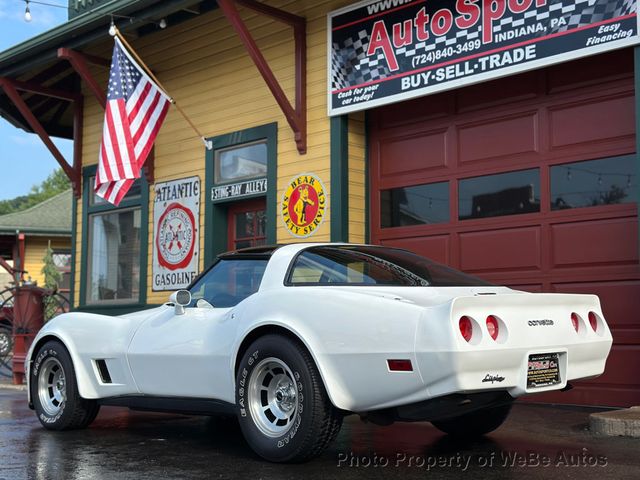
<point x="60" y="419"/>
<point x="288" y="445"/>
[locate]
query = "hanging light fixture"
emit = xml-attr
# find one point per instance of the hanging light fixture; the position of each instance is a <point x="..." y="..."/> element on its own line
<point x="27" y="12"/>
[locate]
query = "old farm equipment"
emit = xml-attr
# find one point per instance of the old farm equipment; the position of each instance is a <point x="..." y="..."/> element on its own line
<point x="24" y="308"/>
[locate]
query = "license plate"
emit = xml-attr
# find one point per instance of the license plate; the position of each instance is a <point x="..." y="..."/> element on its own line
<point x="544" y="370"/>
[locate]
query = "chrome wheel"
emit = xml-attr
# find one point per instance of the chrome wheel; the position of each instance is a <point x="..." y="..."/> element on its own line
<point x="52" y="390"/>
<point x="273" y="397"/>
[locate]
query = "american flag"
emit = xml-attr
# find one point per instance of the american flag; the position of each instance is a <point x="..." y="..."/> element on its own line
<point x="135" y="110"/>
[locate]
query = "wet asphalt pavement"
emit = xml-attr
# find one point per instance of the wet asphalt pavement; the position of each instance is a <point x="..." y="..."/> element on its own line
<point x="535" y="442"/>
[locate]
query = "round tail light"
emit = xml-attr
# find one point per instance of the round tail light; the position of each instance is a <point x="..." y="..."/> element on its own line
<point x="492" y="326"/>
<point x="576" y="321"/>
<point x="466" y="328"/>
<point x="593" y="321"/>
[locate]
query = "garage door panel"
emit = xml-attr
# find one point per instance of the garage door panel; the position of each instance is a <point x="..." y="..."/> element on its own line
<point x="622" y="367"/>
<point x="506" y="249"/>
<point x="574" y="125"/>
<point x="618" y="299"/>
<point x="413" y="152"/>
<point x="421" y="109"/>
<point x="434" y="247"/>
<point x="531" y="288"/>
<point x="520" y="87"/>
<point x="595" y="242"/>
<point x="584" y="122"/>
<point x="498" y="138"/>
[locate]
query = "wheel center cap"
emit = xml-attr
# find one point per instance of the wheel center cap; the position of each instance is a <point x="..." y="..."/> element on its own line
<point x="285" y="396"/>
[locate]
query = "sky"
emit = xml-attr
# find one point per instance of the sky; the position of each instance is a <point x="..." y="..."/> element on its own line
<point x="24" y="160"/>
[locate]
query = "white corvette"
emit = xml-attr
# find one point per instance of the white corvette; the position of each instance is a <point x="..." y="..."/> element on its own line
<point x="292" y="338"/>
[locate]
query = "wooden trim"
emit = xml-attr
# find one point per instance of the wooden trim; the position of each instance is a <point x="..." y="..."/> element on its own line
<point x="11" y="88"/>
<point x="296" y="117"/>
<point x="79" y="62"/>
<point x="216" y="217"/>
<point x="87" y="210"/>
<point x="339" y="211"/>
<point x="636" y="82"/>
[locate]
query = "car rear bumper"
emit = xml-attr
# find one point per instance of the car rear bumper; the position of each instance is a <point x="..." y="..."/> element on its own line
<point x="506" y="369"/>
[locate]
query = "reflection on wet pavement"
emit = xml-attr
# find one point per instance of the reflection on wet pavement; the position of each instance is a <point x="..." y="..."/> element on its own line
<point x="535" y="442"/>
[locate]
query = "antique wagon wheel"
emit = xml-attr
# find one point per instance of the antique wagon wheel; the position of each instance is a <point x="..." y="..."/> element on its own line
<point x="53" y="305"/>
<point x="6" y="334"/>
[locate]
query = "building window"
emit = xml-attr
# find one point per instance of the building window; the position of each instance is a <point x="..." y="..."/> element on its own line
<point x="241" y="163"/>
<point x="501" y="194"/>
<point x="241" y="184"/>
<point x="62" y="261"/>
<point x="114" y="247"/>
<point x="606" y="181"/>
<point x="417" y="205"/>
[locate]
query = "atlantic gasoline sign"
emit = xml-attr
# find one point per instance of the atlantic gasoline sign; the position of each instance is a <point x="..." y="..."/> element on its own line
<point x="176" y="214"/>
<point x="303" y="205"/>
<point x="386" y="51"/>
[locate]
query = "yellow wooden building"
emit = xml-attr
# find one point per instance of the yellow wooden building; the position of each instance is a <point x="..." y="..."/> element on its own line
<point x="26" y="235"/>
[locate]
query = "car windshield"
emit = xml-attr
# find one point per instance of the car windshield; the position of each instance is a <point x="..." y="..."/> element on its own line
<point x="229" y="282"/>
<point x="370" y="265"/>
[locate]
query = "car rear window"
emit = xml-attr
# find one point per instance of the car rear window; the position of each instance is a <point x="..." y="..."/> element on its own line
<point x="370" y="265"/>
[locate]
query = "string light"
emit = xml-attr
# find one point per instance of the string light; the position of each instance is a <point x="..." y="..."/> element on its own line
<point x="27" y="11"/>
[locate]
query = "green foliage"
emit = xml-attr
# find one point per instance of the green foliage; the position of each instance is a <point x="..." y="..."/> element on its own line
<point x="54" y="184"/>
<point x="52" y="278"/>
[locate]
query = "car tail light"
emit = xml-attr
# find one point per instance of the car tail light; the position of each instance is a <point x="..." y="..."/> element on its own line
<point x="400" y="365"/>
<point x="593" y="320"/>
<point x="576" y="321"/>
<point x="492" y="326"/>
<point x="466" y="328"/>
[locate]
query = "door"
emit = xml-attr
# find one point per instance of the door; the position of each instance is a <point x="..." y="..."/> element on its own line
<point x="189" y="355"/>
<point x="246" y="224"/>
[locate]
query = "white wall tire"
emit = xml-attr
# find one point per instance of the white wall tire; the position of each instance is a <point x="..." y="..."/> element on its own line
<point x="283" y="408"/>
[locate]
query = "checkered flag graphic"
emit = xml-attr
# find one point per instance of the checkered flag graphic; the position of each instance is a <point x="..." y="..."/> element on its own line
<point x="351" y="66"/>
<point x="578" y="15"/>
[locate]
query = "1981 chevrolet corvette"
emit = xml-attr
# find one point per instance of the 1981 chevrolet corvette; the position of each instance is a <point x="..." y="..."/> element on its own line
<point x="292" y="338"/>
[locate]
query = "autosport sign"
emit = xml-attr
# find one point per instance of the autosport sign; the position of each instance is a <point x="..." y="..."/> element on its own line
<point x="176" y="214"/>
<point x="386" y="51"/>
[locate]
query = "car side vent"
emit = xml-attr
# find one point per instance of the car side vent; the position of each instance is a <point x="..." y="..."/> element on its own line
<point x="104" y="371"/>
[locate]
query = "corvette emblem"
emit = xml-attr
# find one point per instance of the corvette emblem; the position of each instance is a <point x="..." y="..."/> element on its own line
<point x="303" y="205"/>
<point x="545" y="322"/>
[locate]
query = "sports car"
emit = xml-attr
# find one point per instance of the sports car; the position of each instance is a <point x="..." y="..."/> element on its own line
<point x="290" y="339"/>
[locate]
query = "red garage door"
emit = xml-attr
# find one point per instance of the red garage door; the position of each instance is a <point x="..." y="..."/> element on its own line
<point x="529" y="181"/>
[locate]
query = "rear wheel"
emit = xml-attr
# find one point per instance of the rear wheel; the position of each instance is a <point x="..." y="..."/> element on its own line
<point x="54" y="390"/>
<point x="475" y="423"/>
<point x="283" y="408"/>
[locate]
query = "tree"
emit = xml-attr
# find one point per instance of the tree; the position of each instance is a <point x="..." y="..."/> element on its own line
<point x="54" y="184"/>
<point x="52" y="278"/>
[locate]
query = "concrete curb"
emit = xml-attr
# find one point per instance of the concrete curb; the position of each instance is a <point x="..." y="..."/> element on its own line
<point x="617" y="423"/>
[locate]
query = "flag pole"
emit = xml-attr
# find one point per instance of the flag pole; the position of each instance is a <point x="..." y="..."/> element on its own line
<point x="207" y="143"/>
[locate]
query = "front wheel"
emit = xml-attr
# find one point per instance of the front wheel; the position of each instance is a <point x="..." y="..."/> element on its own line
<point x="283" y="408"/>
<point x="54" y="390"/>
<point x="475" y="423"/>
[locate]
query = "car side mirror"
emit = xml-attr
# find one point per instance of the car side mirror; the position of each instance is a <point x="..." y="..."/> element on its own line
<point x="180" y="299"/>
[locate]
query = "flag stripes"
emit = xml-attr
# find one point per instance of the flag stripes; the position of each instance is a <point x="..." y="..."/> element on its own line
<point x="135" y="110"/>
